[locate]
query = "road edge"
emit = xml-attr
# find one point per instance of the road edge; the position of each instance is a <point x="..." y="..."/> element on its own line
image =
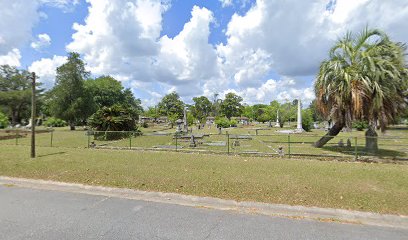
<point x="277" y="210"/>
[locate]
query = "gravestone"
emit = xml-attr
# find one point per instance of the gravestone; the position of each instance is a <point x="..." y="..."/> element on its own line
<point x="192" y="141"/>
<point x="348" y="143"/>
<point x="341" y="143"/>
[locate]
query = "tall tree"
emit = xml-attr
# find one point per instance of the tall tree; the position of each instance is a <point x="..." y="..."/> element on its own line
<point x="365" y="78"/>
<point x="202" y="108"/>
<point x="15" y="92"/>
<point x="171" y="105"/>
<point x="70" y="100"/>
<point x="232" y="105"/>
<point x="107" y="91"/>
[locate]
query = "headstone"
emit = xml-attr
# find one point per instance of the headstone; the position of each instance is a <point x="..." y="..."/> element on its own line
<point x="179" y="122"/>
<point x="348" y="143"/>
<point x="280" y="151"/>
<point x="236" y="143"/>
<point x="341" y="143"/>
<point x="192" y="141"/>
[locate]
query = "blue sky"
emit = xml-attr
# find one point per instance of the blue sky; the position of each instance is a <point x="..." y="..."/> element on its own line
<point x="261" y="49"/>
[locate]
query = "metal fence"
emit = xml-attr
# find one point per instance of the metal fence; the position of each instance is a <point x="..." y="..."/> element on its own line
<point x="344" y="146"/>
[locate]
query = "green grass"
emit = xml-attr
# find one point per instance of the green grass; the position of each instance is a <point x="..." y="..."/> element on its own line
<point x="379" y="188"/>
<point x="393" y="144"/>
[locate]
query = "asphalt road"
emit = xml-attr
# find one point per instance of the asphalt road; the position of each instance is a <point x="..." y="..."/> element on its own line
<point x="41" y="214"/>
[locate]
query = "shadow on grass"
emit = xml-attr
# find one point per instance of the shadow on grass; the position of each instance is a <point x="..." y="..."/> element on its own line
<point x="361" y="151"/>
<point x="51" y="154"/>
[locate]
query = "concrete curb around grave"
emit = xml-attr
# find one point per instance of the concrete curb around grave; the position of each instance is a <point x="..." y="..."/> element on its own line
<point x="280" y="210"/>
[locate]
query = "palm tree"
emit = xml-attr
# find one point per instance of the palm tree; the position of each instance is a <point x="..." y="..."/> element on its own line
<point x="365" y="78"/>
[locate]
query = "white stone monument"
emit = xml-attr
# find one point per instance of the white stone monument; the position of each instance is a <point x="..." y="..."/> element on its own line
<point x="277" y="119"/>
<point x="185" y="120"/>
<point x="299" y="118"/>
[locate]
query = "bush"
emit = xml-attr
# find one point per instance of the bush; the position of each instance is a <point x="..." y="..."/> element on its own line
<point x="360" y="125"/>
<point x="54" y="122"/>
<point x="4" y="122"/>
<point x="307" y="120"/>
<point x="112" y="122"/>
<point x="233" y="123"/>
<point x="145" y="125"/>
<point x="222" y="122"/>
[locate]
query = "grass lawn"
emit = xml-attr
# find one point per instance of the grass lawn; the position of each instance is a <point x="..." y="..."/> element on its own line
<point x="393" y="144"/>
<point x="379" y="188"/>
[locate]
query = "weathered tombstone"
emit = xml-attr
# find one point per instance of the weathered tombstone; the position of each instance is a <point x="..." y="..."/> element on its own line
<point x="280" y="151"/>
<point x="179" y="122"/>
<point x="348" y="143"/>
<point x="236" y="143"/>
<point x="341" y="143"/>
<point x="192" y="141"/>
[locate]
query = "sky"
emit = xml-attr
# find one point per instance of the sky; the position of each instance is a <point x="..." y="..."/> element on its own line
<point x="263" y="50"/>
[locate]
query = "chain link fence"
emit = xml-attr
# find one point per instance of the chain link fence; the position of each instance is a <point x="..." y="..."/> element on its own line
<point x="347" y="147"/>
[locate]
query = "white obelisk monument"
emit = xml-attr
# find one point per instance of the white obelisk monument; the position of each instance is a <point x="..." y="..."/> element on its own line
<point x="185" y="120"/>
<point x="277" y="119"/>
<point x="299" y="117"/>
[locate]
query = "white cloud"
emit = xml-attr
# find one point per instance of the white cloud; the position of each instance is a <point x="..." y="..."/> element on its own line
<point x="226" y="3"/>
<point x="294" y="36"/>
<point x="42" y="41"/>
<point x="117" y="39"/>
<point x="45" y="68"/>
<point x="17" y="19"/>
<point x="12" y="58"/>
<point x="65" y="5"/>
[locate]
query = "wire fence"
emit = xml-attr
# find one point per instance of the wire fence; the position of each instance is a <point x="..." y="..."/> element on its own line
<point x="276" y="145"/>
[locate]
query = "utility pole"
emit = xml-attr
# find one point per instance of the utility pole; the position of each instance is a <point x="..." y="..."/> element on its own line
<point x="33" y="113"/>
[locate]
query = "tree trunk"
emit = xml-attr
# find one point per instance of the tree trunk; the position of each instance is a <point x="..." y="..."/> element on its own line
<point x="371" y="139"/>
<point x="13" y="117"/>
<point x="330" y="135"/>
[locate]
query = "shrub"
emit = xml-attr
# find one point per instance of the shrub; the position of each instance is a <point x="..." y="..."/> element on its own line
<point x="4" y="122"/>
<point x="110" y="121"/>
<point x="145" y="125"/>
<point x="307" y="120"/>
<point x="222" y="122"/>
<point x="54" y="122"/>
<point x="360" y="125"/>
<point x="233" y="123"/>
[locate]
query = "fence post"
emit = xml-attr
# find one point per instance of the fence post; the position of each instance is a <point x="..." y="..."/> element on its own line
<point x="355" y="149"/>
<point x="16" y="137"/>
<point x="175" y="135"/>
<point x="52" y="133"/>
<point x="289" y="145"/>
<point x="130" y="140"/>
<point x="228" y="145"/>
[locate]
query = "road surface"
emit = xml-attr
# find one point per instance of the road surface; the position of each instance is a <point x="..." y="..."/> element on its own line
<point x="42" y="214"/>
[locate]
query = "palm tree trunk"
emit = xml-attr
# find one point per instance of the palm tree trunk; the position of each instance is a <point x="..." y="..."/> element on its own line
<point x="330" y="135"/>
<point x="371" y="139"/>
